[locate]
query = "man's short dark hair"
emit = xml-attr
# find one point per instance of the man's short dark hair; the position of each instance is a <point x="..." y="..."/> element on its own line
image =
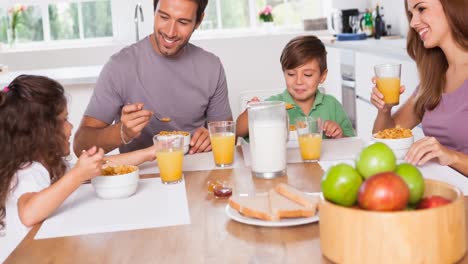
<point x="201" y="7"/>
<point x="301" y="50"/>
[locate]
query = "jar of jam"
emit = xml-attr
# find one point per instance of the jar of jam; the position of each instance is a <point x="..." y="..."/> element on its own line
<point x="220" y="189"/>
<point x="210" y="185"/>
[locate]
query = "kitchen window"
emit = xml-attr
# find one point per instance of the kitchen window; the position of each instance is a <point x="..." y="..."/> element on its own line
<point x="235" y="14"/>
<point x="57" y="20"/>
<point x="90" y="21"/>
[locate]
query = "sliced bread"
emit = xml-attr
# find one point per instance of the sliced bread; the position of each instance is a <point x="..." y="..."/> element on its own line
<point x="282" y="207"/>
<point x="308" y="201"/>
<point x="256" y="206"/>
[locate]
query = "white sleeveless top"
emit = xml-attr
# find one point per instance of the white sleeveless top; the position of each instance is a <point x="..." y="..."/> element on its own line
<point x="32" y="178"/>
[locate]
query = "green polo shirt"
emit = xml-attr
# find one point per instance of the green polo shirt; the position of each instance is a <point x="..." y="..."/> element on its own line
<point x="325" y="106"/>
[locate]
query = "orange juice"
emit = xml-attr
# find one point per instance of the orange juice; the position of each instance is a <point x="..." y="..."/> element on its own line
<point x="170" y="165"/>
<point x="223" y="147"/>
<point x="310" y="145"/>
<point x="390" y="88"/>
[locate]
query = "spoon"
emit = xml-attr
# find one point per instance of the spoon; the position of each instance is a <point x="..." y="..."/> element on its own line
<point x="162" y="119"/>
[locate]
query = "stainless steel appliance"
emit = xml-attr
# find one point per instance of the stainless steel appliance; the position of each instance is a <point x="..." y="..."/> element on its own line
<point x="348" y="84"/>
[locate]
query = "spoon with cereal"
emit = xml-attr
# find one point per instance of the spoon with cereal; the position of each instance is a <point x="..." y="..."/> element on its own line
<point x="162" y="119"/>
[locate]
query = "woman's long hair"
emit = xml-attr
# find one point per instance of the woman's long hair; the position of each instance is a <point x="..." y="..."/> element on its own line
<point x="432" y="63"/>
<point x="30" y="130"/>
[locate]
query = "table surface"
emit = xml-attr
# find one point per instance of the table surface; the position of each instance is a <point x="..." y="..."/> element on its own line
<point x="212" y="237"/>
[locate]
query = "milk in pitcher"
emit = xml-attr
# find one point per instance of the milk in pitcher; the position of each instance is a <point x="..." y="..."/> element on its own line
<point x="268" y="148"/>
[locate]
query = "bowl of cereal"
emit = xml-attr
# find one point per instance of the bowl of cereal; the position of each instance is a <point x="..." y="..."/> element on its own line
<point x="398" y="139"/>
<point x="173" y="134"/>
<point x="117" y="181"/>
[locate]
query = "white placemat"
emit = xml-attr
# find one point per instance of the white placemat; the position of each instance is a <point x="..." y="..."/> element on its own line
<point x="194" y="162"/>
<point x="332" y="149"/>
<point x="153" y="205"/>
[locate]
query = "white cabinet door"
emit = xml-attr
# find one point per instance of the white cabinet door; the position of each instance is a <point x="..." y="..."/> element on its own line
<point x="366" y="114"/>
<point x="332" y="84"/>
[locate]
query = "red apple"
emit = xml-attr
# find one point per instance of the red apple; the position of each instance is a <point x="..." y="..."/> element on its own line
<point x="384" y="191"/>
<point x="432" y="201"/>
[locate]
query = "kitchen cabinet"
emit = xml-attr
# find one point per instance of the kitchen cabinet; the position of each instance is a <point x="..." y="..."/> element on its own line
<point x="365" y="114"/>
<point x="332" y="84"/>
<point x="364" y="68"/>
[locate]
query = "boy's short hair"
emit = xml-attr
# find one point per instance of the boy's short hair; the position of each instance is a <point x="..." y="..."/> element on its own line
<point x="301" y="50"/>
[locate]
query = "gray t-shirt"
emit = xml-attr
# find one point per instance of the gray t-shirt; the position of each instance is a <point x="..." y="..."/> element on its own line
<point x="190" y="89"/>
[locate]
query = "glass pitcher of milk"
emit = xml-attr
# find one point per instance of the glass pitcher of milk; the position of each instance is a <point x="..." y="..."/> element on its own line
<point x="268" y="134"/>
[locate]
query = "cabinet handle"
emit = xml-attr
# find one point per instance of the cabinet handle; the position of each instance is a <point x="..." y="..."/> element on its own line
<point x="351" y="84"/>
<point x="363" y="99"/>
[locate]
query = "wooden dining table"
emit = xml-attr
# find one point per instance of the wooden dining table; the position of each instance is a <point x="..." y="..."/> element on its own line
<point x="211" y="237"/>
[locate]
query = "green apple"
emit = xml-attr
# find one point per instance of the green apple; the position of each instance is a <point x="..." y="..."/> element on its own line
<point x="374" y="159"/>
<point x="414" y="179"/>
<point x="341" y="184"/>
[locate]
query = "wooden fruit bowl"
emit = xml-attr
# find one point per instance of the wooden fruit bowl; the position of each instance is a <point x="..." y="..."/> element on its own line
<point x="436" y="235"/>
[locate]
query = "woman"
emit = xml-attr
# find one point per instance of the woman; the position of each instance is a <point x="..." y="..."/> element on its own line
<point x="438" y="42"/>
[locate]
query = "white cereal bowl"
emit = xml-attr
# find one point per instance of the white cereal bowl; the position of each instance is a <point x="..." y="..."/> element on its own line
<point x="399" y="145"/>
<point x="116" y="186"/>
<point x="186" y="140"/>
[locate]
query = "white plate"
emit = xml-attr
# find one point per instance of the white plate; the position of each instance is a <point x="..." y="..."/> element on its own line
<point x="236" y="216"/>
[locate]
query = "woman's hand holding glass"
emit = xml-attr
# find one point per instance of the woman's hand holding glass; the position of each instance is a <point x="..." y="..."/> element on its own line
<point x="377" y="97"/>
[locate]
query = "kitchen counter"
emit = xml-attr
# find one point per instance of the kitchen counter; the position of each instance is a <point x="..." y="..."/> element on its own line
<point x="66" y="76"/>
<point x="395" y="48"/>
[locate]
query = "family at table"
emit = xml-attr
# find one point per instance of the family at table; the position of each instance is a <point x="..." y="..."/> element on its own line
<point x="164" y="75"/>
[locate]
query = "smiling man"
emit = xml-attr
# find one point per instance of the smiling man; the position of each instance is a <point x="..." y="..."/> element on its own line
<point x="162" y="75"/>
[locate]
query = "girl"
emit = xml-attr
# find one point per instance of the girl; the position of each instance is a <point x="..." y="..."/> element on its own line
<point x="34" y="139"/>
<point x="438" y="42"/>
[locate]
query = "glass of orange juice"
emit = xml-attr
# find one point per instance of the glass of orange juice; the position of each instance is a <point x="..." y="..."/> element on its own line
<point x="170" y="154"/>
<point x="388" y="82"/>
<point x="309" y="132"/>
<point x="223" y="138"/>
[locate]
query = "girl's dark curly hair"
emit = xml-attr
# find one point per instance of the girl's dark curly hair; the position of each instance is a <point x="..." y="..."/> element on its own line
<point x="30" y="130"/>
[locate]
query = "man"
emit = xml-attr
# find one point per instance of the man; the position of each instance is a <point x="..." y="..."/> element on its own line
<point x="160" y="76"/>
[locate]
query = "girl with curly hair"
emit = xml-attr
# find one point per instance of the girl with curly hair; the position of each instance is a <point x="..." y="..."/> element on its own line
<point x="34" y="139"/>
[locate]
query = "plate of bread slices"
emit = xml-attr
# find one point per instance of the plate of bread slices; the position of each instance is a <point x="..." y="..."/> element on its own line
<point x="281" y="206"/>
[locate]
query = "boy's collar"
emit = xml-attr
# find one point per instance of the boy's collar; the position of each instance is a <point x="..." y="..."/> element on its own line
<point x="288" y="98"/>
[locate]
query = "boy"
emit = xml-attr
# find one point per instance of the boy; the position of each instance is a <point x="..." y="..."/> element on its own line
<point x="304" y="65"/>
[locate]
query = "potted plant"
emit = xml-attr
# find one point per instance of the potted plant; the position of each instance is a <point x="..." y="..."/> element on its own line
<point x="266" y="17"/>
<point x="15" y="14"/>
